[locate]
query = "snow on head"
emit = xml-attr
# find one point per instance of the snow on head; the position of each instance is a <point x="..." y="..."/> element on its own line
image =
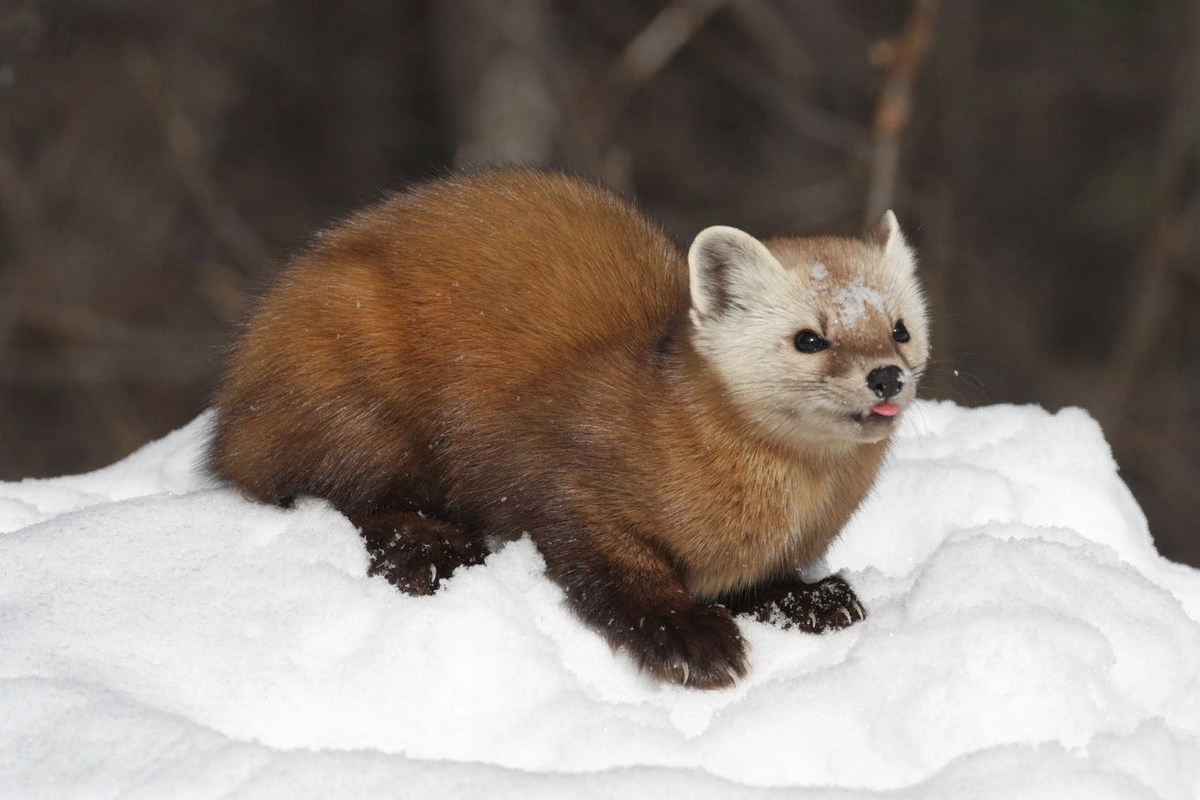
<point x="851" y="300"/>
<point x="818" y="271"/>
<point x="164" y="637"/>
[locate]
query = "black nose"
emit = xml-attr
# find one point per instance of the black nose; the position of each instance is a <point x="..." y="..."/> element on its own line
<point x="885" y="382"/>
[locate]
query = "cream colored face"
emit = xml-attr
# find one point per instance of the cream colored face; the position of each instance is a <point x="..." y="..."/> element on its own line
<point x="818" y="340"/>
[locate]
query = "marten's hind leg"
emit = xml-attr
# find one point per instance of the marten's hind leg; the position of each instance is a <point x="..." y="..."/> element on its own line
<point x="414" y="552"/>
<point x="827" y="605"/>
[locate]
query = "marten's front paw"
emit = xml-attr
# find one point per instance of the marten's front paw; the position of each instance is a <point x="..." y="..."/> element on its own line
<point x="415" y="554"/>
<point x="828" y="605"/>
<point x="699" y="646"/>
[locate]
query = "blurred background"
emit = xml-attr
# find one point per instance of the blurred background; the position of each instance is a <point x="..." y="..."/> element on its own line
<point x="159" y="159"/>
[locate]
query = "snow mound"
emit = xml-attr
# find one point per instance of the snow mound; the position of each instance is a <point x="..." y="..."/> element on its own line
<point x="161" y="636"/>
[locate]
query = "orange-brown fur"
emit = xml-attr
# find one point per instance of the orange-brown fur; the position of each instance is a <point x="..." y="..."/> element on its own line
<point x="507" y="352"/>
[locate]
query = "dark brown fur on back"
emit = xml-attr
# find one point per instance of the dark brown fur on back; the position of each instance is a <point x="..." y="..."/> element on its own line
<point x="507" y="352"/>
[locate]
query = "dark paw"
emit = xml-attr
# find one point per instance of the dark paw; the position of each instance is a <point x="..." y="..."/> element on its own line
<point x="829" y="605"/>
<point x="698" y="646"/>
<point x="415" y="554"/>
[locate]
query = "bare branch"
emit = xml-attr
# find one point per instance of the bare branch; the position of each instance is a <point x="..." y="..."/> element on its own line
<point x="659" y="41"/>
<point x="808" y="120"/>
<point x="902" y="57"/>
<point x="775" y="39"/>
<point x="185" y="145"/>
<point x="1154" y="296"/>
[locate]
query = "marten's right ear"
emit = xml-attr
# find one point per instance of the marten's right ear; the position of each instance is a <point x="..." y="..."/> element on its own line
<point x="725" y="265"/>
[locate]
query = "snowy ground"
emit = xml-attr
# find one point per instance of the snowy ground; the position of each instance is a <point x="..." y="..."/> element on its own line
<point x="161" y="637"/>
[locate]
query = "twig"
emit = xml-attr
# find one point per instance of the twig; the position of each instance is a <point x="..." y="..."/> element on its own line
<point x="599" y="104"/>
<point x="946" y="265"/>
<point x="185" y="146"/>
<point x="1146" y="316"/>
<point x="18" y="201"/>
<point x="903" y="57"/>
<point x="103" y="371"/>
<point x="775" y="39"/>
<point x="670" y="30"/>
<point x="100" y="353"/>
<point x="659" y="41"/>
<point x="814" y="204"/>
<point x="810" y="121"/>
<point x="1153" y="299"/>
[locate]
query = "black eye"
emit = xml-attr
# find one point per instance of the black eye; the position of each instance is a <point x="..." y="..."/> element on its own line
<point x="810" y="342"/>
<point x="900" y="333"/>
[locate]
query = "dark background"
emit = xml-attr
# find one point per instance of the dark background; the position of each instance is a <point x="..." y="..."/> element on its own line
<point x="158" y="159"/>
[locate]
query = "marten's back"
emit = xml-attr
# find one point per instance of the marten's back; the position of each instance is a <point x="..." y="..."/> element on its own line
<point x="427" y="315"/>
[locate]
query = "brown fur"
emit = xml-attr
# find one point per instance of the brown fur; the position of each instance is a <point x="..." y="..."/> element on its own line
<point x="508" y="352"/>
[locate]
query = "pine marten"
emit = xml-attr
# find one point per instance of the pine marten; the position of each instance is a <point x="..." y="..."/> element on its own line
<point x="515" y="350"/>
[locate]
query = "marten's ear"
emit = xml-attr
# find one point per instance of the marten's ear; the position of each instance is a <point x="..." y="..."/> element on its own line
<point x="726" y="264"/>
<point x="881" y="233"/>
<point x="898" y="257"/>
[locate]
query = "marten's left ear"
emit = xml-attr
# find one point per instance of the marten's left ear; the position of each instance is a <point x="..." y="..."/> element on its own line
<point x="898" y="257"/>
<point x="726" y="265"/>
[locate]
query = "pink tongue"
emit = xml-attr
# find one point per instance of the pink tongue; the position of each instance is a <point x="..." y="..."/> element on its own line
<point x="885" y="409"/>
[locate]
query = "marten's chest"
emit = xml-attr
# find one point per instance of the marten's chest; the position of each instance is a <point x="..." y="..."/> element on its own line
<point x="755" y="524"/>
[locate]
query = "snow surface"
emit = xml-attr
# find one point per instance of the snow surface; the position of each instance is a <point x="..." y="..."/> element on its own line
<point x="163" y="637"/>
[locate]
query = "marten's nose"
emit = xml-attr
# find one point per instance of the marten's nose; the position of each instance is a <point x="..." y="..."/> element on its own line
<point x="885" y="382"/>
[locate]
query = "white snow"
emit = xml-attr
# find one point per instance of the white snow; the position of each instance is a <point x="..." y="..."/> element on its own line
<point x="163" y="637"/>
<point x="852" y="300"/>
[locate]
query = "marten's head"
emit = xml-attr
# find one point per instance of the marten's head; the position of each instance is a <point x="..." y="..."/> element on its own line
<point x="818" y="339"/>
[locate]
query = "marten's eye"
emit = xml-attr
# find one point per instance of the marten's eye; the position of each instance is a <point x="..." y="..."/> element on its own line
<point x="900" y="333"/>
<point x="810" y="342"/>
